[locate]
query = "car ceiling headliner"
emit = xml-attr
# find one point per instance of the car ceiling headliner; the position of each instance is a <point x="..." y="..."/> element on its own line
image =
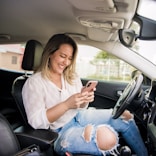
<point x="22" y="20"/>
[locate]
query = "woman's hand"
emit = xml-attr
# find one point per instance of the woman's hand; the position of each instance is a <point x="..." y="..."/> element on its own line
<point x="79" y="100"/>
<point x="89" y="98"/>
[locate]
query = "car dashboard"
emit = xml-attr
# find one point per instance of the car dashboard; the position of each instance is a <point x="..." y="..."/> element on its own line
<point x="151" y="124"/>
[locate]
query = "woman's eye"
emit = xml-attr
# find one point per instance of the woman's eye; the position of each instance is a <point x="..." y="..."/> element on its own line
<point x="63" y="56"/>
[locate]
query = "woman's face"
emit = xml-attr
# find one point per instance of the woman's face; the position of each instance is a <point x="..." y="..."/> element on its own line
<point x="61" y="58"/>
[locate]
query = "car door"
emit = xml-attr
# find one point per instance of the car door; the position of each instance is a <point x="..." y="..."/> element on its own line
<point x="106" y="94"/>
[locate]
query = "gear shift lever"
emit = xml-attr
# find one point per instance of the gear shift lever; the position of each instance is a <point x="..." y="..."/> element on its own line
<point x="125" y="151"/>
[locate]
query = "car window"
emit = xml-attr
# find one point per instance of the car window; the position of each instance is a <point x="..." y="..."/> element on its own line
<point x="147" y="9"/>
<point x="146" y="48"/>
<point x="11" y="56"/>
<point x="93" y="63"/>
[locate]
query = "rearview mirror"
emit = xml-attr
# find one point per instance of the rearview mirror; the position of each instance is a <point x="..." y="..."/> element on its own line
<point x="127" y="37"/>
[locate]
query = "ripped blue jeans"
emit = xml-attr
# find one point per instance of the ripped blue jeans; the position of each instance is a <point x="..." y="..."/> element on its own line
<point x="71" y="135"/>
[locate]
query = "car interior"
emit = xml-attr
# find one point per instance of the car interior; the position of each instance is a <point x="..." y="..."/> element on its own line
<point x="112" y="26"/>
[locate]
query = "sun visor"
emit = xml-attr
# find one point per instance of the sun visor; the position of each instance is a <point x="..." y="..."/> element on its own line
<point x="106" y="24"/>
<point x="94" y="5"/>
<point x="102" y="29"/>
<point x="95" y="34"/>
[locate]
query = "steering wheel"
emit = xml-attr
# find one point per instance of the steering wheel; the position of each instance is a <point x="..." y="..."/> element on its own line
<point x="129" y="93"/>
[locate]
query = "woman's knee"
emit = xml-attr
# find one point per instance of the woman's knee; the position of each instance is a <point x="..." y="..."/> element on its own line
<point x="107" y="138"/>
<point x="88" y="132"/>
<point x="126" y="115"/>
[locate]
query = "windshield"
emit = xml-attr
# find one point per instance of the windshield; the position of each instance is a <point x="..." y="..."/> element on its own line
<point x="147" y="8"/>
<point x="147" y="49"/>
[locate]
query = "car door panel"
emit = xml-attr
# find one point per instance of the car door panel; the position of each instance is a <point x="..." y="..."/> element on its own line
<point x="7" y="103"/>
<point x="106" y="93"/>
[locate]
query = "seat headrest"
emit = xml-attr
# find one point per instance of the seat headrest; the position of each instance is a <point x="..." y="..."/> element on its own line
<point x="32" y="55"/>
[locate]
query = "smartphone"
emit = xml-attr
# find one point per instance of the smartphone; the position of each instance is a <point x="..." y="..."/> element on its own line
<point x="90" y="86"/>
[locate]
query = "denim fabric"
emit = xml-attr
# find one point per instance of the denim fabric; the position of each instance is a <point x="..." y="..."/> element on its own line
<point x="71" y="135"/>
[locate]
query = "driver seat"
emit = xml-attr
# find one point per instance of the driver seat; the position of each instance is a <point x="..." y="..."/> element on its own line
<point x="30" y="62"/>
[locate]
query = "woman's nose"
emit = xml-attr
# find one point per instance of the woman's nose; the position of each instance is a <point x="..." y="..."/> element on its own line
<point x="66" y="61"/>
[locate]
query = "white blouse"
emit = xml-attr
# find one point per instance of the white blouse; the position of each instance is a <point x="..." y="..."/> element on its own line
<point x="40" y="94"/>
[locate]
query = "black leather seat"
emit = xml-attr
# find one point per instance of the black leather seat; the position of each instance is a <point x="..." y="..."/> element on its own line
<point x="26" y="134"/>
<point x="30" y="62"/>
<point x="8" y="139"/>
<point x="10" y="145"/>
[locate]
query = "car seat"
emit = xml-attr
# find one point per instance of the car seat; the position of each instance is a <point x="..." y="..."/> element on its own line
<point x="30" y="62"/>
<point x="9" y="142"/>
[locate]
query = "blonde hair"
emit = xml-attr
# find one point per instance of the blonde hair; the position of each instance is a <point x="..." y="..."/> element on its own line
<point x="52" y="45"/>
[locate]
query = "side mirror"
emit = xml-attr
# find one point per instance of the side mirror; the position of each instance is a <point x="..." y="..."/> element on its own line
<point x="127" y="37"/>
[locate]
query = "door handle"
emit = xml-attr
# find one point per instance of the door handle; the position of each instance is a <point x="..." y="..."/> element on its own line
<point x="119" y="93"/>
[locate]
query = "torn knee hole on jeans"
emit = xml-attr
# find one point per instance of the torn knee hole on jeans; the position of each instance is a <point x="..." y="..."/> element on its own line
<point x="106" y="138"/>
<point x="87" y="134"/>
<point x="126" y="116"/>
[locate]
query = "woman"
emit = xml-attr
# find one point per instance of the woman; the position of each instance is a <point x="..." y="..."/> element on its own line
<point x="53" y="98"/>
